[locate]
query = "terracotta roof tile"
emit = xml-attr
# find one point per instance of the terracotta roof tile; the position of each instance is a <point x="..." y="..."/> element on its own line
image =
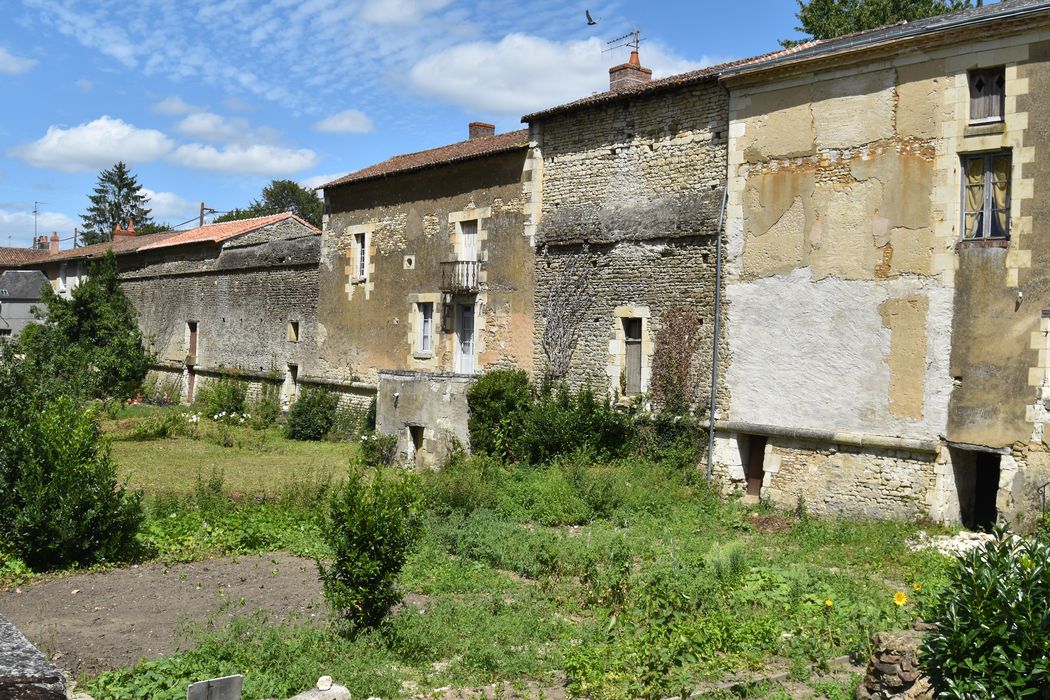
<point x="120" y="245"/>
<point x="217" y="233"/>
<point x="463" y="150"/>
<point x="12" y="257"/>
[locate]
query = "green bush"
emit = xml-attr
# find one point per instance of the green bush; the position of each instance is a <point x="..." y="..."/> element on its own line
<point x="312" y="414"/>
<point x="159" y="425"/>
<point x="372" y="525"/>
<point x="993" y="623"/>
<point x="496" y="404"/>
<point x="349" y="422"/>
<point x="61" y="503"/>
<point x="266" y="409"/>
<point x="378" y="450"/>
<point x="222" y="396"/>
<point x="463" y="484"/>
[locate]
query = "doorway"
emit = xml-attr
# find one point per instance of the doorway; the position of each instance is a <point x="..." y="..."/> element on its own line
<point x="415" y="432"/>
<point x="754" y="467"/>
<point x="465" y="339"/>
<point x="977" y="485"/>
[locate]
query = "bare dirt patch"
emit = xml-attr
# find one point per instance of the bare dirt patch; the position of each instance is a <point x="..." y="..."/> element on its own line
<point x="92" y="622"/>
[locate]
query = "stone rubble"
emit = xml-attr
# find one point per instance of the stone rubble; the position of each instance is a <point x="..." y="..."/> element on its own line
<point x="893" y="671"/>
<point x="950" y="545"/>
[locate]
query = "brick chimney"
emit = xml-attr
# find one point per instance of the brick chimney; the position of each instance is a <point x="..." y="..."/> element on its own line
<point x="481" y="129"/>
<point x="124" y="232"/>
<point x="630" y="75"/>
<point x="40" y="243"/>
<point x="53" y="247"/>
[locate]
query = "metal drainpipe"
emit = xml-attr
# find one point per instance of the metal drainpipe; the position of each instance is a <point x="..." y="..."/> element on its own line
<point x="718" y="325"/>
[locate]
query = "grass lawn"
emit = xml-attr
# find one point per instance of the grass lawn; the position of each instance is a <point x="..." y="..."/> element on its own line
<point x="624" y="579"/>
<point x="251" y="461"/>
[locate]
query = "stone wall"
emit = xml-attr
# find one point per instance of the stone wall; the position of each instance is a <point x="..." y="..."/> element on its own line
<point x="433" y="406"/>
<point x="630" y="196"/>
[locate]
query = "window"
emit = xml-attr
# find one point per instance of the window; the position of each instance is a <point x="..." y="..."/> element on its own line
<point x="632" y="334"/>
<point x="360" y="255"/>
<point x="986" y="195"/>
<point x="4" y="332"/>
<point x="426" y="327"/>
<point x="293" y="331"/>
<point x="468" y="230"/>
<point x="987" y="93"/>
<point x="191" y="345"/>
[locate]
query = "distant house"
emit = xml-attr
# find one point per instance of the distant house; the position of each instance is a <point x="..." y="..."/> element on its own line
<point x="239" y="296"/>
<point x="19" y="293"/>
<point x="18" y="258"/>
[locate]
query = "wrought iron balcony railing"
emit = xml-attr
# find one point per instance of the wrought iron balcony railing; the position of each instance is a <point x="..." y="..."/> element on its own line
<point x="460" y="276"/>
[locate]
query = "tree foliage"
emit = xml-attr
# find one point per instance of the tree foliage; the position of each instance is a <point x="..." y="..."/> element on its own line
<point x="88" y="345"/>
<point x="118" y="198"/>
<point x="281" y="196"/>
<point x="827" y="19"/>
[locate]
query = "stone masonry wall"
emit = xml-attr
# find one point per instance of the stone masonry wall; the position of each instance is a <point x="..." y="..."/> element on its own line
<point x="630" y="193"/>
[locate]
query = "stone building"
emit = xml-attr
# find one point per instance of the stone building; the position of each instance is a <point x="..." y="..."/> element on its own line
<point x="426" y="280"/>
<point x="237" y="297"/>
<point x="624" y="214"/>
<point x="888" y="296"/>
<point x="19" y="294"/>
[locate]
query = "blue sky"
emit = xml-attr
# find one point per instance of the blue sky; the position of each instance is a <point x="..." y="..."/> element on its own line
<point x="209" y="101"/>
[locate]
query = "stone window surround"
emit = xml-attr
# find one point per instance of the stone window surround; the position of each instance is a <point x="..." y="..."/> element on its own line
<point x="964" y="158"/>
<point x="455" y="218"/>
<point x="617" y="361"/>
<point x="351" y="270"/>
<point x="419" y="359"/>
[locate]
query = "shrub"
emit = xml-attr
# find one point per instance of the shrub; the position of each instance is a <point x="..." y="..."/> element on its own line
<point x="495" y="404"/>
<point x="993" y="623"/>
<point x="463" y="484"/>
<point x="372" y="525"/>
<point x="312" y="414"/>
<point x="61" y="503"/>
<point x="348" y="423"/>
<point x="378" y="450"/>
<point x="266" y="409"/>
<point x="222" y="396"/>
<point x="161" y="425"/>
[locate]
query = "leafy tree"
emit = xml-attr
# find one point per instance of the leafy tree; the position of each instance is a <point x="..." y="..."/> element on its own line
<point x="281" y="196"/>
<point x="118" y="198"/>
<point x="89" y="345"/>
<point x="827" y="19"/>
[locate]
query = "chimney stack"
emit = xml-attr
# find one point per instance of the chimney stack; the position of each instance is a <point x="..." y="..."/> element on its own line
<point x="630" y="75"/>
<point x="481" y="129"/>
<point x="53" y="248"/>
<point x="40" y="243"/>
<point x="124" y="232"/>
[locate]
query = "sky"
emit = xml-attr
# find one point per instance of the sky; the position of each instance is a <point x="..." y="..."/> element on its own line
<point x="208" y="101"/>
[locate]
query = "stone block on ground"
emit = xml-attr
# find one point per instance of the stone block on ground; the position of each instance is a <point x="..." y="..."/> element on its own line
<point x="893" y="671"/>
<point x="24" y="672"/>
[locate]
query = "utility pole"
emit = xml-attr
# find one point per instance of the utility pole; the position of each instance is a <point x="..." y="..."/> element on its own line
<point x="36" y="213"/>
<point x="75" y="231"/>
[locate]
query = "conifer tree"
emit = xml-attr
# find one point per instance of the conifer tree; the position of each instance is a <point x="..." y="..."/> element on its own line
<point x="117" y="199"/>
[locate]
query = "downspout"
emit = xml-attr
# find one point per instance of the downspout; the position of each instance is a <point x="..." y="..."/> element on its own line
<point x="718" y="325"/>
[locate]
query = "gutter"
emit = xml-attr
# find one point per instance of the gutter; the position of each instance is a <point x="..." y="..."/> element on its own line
<point x="865" y="440"/>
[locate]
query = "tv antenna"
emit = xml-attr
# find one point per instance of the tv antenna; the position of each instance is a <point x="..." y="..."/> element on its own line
<point x="36" y="213"/>
<point x="631" y="40"/>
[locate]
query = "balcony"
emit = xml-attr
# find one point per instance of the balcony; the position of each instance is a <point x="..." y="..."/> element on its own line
<point x="460" y="276"/>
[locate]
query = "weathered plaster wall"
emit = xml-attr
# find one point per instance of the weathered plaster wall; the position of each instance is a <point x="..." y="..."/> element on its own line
<point x="631" y="192"/>
<point x="434" y="403"/>
<point x="410" y="221"/>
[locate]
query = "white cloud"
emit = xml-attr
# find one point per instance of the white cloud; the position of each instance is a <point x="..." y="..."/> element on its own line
<point x="168" y="205"/>
<point x="257" y="159"/>
<point x="318" y="180"/>
<point x="19" y="225"/>
<point x="93" y="145"/>
<point x="399" y="11"/>
<point x="208" y="126"/>
<point x="13" y="65"/>
<point x="238" y="105"/>
<point x="349" y="121"/>
<point x="523" y="73"/>
<point x="84" y="85"/>
<point x="175" y="105"/>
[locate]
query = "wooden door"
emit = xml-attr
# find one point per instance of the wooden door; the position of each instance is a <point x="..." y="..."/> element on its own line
<point x="465" y="339"/>
<point x="632" y="332"/>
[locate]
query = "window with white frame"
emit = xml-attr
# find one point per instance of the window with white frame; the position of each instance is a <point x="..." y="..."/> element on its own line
<point x="986" y="195"/>
<point x="360" y="256"/>
<point x="468" y="231"/>
<point x="426" y="326"/>
<point x="987" y="95"/>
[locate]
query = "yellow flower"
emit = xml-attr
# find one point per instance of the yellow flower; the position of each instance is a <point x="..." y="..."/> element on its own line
<point x="828" y="603"/>
<point x="899" y="599"/>
<point x="917" y="587"/>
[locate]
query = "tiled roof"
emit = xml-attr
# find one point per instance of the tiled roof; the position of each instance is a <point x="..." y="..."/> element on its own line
<point x="13" y="257"/>
<point x="464" y="150"/>
<point x="1000" y="11"/>
<point x="119" y="245"/>
<point x="670" y="82"/>
<point x="217" y="233"/>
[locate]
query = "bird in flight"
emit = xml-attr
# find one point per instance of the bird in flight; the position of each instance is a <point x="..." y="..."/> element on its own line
<point x="590" y="20"/>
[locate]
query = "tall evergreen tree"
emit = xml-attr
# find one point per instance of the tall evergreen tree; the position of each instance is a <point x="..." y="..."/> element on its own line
<point x="117" y="199"/>
<point x="281" y="196"/>
<point x="827" y="19"/>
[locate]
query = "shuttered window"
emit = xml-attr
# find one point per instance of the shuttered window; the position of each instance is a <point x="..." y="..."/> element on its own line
<point x="426" y="327"/>
<point x="632" y="334"/>
<point x="987" y="95"/>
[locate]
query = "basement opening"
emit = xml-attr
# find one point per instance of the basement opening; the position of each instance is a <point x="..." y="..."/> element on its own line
<point x="752" y="456"/>
<point x="977" y="485"/>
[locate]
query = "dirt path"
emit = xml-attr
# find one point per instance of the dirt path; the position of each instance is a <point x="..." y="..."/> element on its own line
<point x="92" y="622"/>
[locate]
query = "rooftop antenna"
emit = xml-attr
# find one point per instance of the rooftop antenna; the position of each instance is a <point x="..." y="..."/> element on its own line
<point x="36" y="213"/>
<point x="631" y="40"/>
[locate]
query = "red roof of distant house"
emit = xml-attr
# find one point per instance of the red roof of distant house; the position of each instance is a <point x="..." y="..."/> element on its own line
<point x="13" y="257"/>
<point x="463" y="150"/>
<point x="119" y="245"/>
<point x="217" y="233"/>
